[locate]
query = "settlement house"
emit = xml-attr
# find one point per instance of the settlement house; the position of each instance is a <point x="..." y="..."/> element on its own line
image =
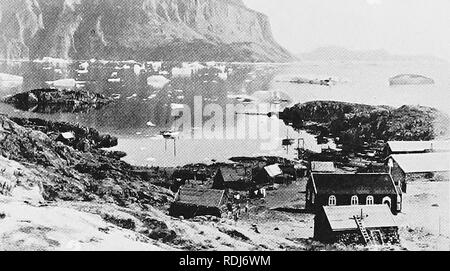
<point x="406" y="168"/>
<point x="232" y="177"/>
<point x="192" y="202"/>
<point x="268" y="175"/>
<point x="411" y="147"/>
<point x="363" y="224"/>
<point x="352" y="189"/>
<point x="325" y="167"/>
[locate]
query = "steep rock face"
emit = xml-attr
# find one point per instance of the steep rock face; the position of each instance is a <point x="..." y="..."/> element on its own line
<point x="139" y="29"/>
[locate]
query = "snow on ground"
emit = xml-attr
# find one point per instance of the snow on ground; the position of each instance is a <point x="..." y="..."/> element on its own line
<point x="27" y="227"/>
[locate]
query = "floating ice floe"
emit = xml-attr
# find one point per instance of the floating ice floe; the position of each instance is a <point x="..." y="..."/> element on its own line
<point x="272" y="97"/>
<point x="114" y="74"/>
<point x="114" y="80"/>
<point x="157" y="81"/>
<point x="138" y="69"/>
<point x="152" y="96"/>
<point x="54" y="61"/>
<point x="156" y="66"/>
<point x="10" y="81"/>
<point x="63" y="83"/>
<point x="176" y="106"/>
<point x="223" y="76"/>
<point x="242" y="98"/>
<point x="82" y="71"/>
<point x="151" y="124"/>
<point x="312" y="79"/>
<point x="84" y="65"/>
<point x="132" y="96"/>
<point x="180" y="72"/>
<point x="187" y="69"/>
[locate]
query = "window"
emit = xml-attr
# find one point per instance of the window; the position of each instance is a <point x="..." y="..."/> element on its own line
<point x="332" y="201"/>
<point x="369" y="200"/>
<point x="387" y="200"/>
<point x="354" y="200"/>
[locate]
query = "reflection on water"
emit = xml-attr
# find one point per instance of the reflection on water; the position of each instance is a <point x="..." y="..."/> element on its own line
<point x="146" y="94"/>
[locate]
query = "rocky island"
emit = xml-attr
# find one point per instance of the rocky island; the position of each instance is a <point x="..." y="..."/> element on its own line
<point x="57" y="100"/>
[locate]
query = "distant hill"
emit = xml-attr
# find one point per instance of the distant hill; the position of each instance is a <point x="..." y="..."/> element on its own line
<point x="335" y="53"/>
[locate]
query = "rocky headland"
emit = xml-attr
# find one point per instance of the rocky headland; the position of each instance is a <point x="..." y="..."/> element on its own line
<point x="356" y="126"/>
<point x="168" y="30"/>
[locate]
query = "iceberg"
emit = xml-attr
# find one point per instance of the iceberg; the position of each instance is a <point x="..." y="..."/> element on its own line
<point x="138" y="69"/>
<point x="84" y="65"/>
<point x="10" y="81"/>
<point x="54" y="61"/>
<point x="156" y="66"/>
<point x="181" y="72"/>
<point x="157" y="81"/>
<point x="63" y="83"/>
<point x="410" y="79"/>
<point x="272" y="97"/>
<point x="114" y="80"/>
<point x="312" y="79"/>
<point x="176" y="106"/>
<point x="223" y="76"/>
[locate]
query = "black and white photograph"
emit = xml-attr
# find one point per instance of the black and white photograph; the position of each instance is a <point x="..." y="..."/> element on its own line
<point x="225" y="126"/>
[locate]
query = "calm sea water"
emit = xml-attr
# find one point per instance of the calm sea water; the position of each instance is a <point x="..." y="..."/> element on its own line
<point x="141" y="111"/>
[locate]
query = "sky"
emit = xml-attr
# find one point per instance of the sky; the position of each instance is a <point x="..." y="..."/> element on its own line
<point x="412" y="27"/>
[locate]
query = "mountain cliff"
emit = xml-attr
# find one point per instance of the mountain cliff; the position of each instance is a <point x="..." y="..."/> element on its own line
<point x="221" y="30"/>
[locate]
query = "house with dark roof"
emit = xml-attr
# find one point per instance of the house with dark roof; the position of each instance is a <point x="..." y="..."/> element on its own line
<point x="352" y="189"/>
<point x="192" y="202"/>
<point x="236" y="177"/>
<point x="406" y="168"/>
<point x="357" y="224"/>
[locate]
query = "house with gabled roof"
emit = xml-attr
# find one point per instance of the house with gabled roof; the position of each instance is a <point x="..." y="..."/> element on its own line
<point x="357" y="224"/>
<point x="192" y="202"/>
<point x="352" y="189"/>
<point x="412" y="147"/>
<point x="236" y="177"/>
<point x="406" y="168"/>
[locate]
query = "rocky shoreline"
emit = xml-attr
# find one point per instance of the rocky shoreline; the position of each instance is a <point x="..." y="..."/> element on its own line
<point x="72" y="171"/>
<point x="50" y="101"/>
